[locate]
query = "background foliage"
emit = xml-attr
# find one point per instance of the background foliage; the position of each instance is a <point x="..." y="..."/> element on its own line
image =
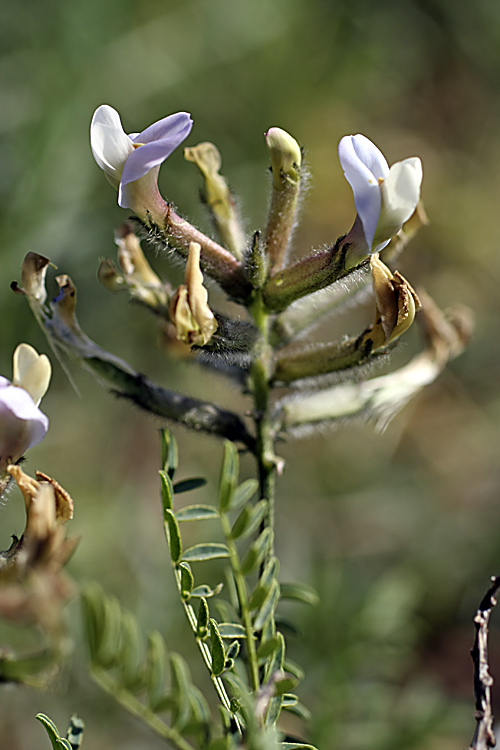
<point x="399" y="533"/>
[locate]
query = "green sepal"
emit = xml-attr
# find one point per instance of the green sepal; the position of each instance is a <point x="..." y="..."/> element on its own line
<point x="173" y="536"/>
<point x="180" y="689"/>
<point x="167" y="491"/>
<point x="58" y="742"/>
<point x="243" y="493"/>
<point x="300" y="592"/>
<point x="130" y="662"/>
<point x="196" y="513"/>
<point x="255" y="554"/>
<point x="169" y="452"/>
<point x="155" y="669"/>
<point x="205" y="590"/>
<point x="203" y="618"/>
<point x="216" y="649"/>
<point x="231" y="630"/>
<point x="249" y="519"/>
<point x="186" y="485"/>
<point x="205" y="551"/>
<point x="187" y="580"/>
<point x="229" y="475"/>
<point x="268" y="606"/>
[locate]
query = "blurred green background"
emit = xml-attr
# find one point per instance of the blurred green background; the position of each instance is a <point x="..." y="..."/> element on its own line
<point x="399" y="532"/>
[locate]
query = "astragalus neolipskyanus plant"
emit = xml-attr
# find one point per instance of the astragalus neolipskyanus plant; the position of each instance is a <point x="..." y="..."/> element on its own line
<point x="294" y="385"/>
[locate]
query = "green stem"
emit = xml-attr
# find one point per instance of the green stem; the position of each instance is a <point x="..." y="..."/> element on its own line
<point x="204" y="649"/>
<point x="135" y="707"/>
<point x="241" y="589"/>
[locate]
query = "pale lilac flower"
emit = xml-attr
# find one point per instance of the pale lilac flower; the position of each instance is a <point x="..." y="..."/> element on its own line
<point x="131" y="162"/>
<point x="384" y="197"/>
<point x="22" y="424"/>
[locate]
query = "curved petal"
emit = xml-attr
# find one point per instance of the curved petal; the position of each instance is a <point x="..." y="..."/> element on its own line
<point x="32" y="371"/>
<point x="364" y="183"/>
<point x="370" y="155"/>
<point x="179" y="125"/>
<point x="152" y="153"/>
<point x="110" y="144"/>
<point x="401" y="190"/>
<point x="22" y="424"/>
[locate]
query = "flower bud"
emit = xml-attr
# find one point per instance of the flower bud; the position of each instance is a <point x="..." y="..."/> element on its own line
<point x="189" y="311"/>
<point x="286" y="157"/>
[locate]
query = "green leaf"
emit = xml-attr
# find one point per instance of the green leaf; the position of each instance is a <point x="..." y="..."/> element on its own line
<point x="155" y="669"/>
<point x="167" y="491"/>
<point x="228" y="476"/>
<point x="109" y="650"/>
<point x="169" y="452"/>
<point x="296" y="746"/>
<point x="249" y="519"/>
<point x="173" y="536"/>
<point x="243" y="493"/>
<point x="286" y="684"/>
<point x="255" y="554"/>
<point x="180" y="690"/>
<point x="268" y="606"/>
<point x="290" y="700"/>
<point x="233" y="650"/>
<point x="293" y="705"/>
<point x="199" y="706"/>
<point x="300" y="592"/>
<point x="216" y="649"/>
<point x="186" y="485"/>
<point x="203" y="618"/>
<point x="187" y="580"/>
<point x="130" y="662"/>
<point x="260" y="592"/>
<point x="58" y="742"/>
<point x="294" y="669"/>
<point x="268" y="647"/>
<point x="196" y="513"/>
<point x="206" y="591"/>
<point x="232" y="630"/>
<point x="205" y="551"/>
<point x="276" y="663"/>
<point x="93" y="617"/>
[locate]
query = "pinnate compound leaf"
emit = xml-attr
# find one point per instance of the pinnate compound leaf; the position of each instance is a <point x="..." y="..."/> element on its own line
<point x="196" y="513"/>
<point x="169" y="452"/>
<point x="243" y="493"/>
<point x="300" y="592"/>
<point x="173" y="536"/>
<point x="255" y="554"/>
<point x="58" y="742"/>
<point x="205" y="551"/>
<point x="216" y="649"/>
<point x="231" y="630"/>
<point x="167" y="491"/>
<point x="229" y="475"/>
<point x="268" y="606"/>
<point x="249" y="519"/>
<point x="186" y="485"/>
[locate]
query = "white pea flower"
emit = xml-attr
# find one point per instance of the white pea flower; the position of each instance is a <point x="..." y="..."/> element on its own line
<point x="131" y="162"/>
<point x="22" y="424"/>
<point x="384" y="197"/>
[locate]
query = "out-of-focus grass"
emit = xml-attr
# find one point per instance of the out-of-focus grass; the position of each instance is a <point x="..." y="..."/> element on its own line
<point x="399" y="532"/>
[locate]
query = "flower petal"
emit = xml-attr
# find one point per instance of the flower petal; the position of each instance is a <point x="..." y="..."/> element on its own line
<point x="401" y="190"/>
<point x="22" y="424"/>
<point x="110" y="144"/>
<point x="159" y="141"/>
<point x="363" y="165"/>
<point x="32" y="371"/>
